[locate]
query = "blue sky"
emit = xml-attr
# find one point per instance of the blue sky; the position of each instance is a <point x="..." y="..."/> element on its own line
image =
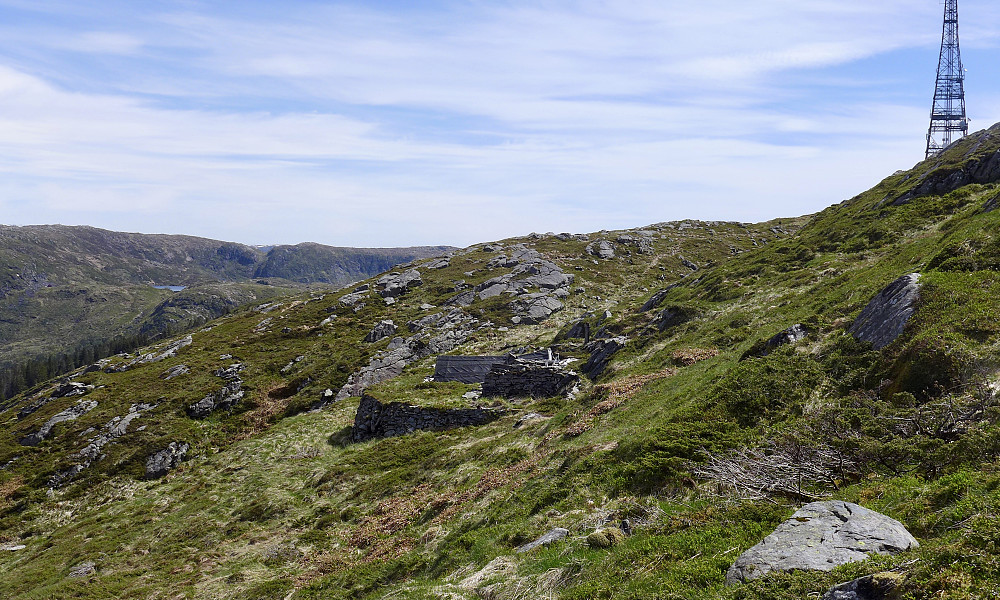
<point x="395" y="123"/>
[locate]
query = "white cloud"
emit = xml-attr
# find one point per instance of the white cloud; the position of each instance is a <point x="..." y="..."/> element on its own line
<point x="457" y="124"/>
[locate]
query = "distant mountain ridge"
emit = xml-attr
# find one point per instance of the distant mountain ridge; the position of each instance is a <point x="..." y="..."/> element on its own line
<point x="75" y="290"/>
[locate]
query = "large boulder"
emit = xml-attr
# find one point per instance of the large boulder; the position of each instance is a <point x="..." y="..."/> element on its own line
<point x="397" y="284"/>
<point x="601" y="249"/>
<point x="820" y="537"/>
<point x="882" y="321"/>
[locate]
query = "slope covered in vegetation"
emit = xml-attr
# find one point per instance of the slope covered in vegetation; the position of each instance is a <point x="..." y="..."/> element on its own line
<point x="698" y="432"/>
<point x="70" y="294"/>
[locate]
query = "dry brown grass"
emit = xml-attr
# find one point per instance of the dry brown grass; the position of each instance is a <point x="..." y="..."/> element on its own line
<point x="689" y="356"/>
<point x="8" y="489"/>
<point x="618" y="393"/>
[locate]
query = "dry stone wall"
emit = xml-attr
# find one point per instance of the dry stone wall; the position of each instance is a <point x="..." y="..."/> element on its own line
<point x="376" y="420"/>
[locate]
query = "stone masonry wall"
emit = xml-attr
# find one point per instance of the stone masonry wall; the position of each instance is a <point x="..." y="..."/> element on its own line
<point x="377" y="420"/>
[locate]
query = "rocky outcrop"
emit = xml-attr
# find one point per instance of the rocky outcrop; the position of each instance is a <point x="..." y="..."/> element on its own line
<point x="222" y="399"/>
<point x="70" y="414"/>
<point x="175" y="371"/>
<point x="883" y="319"/>
<point x="160" y="463"/>
<point x="820" y="537"/>
<point x="94" y="450"/>
<point x="66" y="389"/>
<point x="534" y="308"/>
<point x="376" y="420"/>
<point x="600" y="249"/>
<point x="643" y="244"/>
<point x="982" y="169"/>
<point x="394" y="285"/>
<point x="528" y="379"/>
<point x="169" y="351"/>
<point x="601" y="352"/>
<point x="449" y="332"/>
<point x="381" y="331"/>
<point x="554" y="535"/>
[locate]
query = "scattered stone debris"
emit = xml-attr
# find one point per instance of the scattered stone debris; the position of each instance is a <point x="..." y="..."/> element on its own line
<point x="551" y="537"/>
<point x="224" y="398"/>
<point x="160" y="463"/>
<point x="263" y="325"/>
<point x="70" y="414"/>
<point x="168" y="352"/>
<point x="381" y="331"/>
<point x="883" y="319"/>
<point x="820" y="537"/>
<point x="376" y="420"/>
<point x="657" y="299"/>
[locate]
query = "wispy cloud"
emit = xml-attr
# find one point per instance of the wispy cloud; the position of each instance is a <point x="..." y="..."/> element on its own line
<point x="453" y="122"/>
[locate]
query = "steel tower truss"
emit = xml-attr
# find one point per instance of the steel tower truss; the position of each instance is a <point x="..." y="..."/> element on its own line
<point x="948" y="112"/>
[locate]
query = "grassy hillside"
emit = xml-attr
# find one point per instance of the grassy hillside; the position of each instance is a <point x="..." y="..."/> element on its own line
<point x="693" y="433"/>
<point x="80" y="291"/>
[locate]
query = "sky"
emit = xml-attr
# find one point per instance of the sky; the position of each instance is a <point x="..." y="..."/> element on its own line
<point x="397" y="123"/>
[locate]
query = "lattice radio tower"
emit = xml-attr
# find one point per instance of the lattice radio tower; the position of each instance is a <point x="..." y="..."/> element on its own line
<point x="948" y="112"/>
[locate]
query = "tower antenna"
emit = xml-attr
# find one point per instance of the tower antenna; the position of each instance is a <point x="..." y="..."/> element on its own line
<point x="948" y="111"/>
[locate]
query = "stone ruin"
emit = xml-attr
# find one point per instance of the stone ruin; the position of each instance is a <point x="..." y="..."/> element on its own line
<point x="536" y="375"/>
<point x="520" y="378"/>
<point x="376" y="420"/>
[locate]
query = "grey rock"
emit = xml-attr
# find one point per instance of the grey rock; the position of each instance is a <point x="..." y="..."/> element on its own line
<point x="364" y="287"/>
<point x="873" y="587"/>
<point x="883" y="319"/>
<point x="465" y="298"/>
<point x="381" y="331"/>
<point x="601" y="352"/>
<point x="83" y="569"/>
<point x="535" y="308"/>
<point x="162" y="462"/>
<point x="551" y="537"/>
<point x="820" y="537"/>
<point x="394" y="285"/>
<point x="354" y="298"/>
<point x="688" y="264"/>
<point x="792" y="335"/>
<point x="642" y="244"/>
<point x="71" y="388"/>
<point x="601" y="249"/>
<point x="70" y="414"/>
<point x="175" y="371"/>
<point x="438" y="263"/>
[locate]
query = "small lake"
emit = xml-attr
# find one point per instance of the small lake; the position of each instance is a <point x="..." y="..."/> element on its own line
<point x="172" y="288"/>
